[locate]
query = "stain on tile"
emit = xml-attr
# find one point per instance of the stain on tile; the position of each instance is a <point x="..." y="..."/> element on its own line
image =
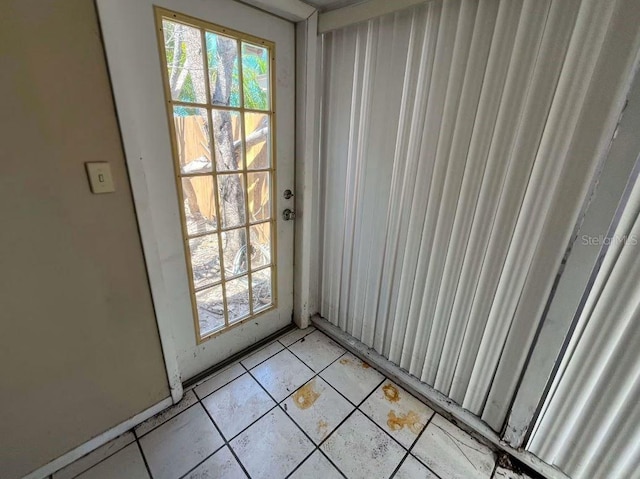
<point x="391" y="393"/>
<point x="410" y="420"/>
<point x="380" y="450"/>
<point x="306" y="395"/>
<point x="323" y="427"/>
<point x="318" y="409"/>
<point x="347" y="361"/>
<point x="396" y="411"/>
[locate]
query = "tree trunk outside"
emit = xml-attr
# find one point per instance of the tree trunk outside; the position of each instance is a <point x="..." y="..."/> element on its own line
<point x="227" y="156"/>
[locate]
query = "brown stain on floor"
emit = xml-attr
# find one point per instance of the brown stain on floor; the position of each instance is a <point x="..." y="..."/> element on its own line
<point x="306" y="396"/>
<point x="391" y="393"/>
<point x="345" y="361"/>
<point x="411" y="420"/>
<point x="322" y="428"/>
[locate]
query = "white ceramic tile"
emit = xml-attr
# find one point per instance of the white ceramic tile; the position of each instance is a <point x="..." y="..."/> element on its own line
<point x="219" y="379"/>
<point x="316" y="466"/>
<point x="282" y="374"/>
<point x="262" y="355"/>
<point x="127" y="462"/>
<point x="94" y="457"/>
<point x="362" y="450"/>
<point x="236" y="405"/>
<point x="317" y="408"/>
<point x="450" y="452"/>
<point x="504" y="473"/>
<point x="272" y="447"/>
<point x="317" y="350"/>
<point x="352" y="377"/>
<point x="182" y="442"/>
<point x="290" y="338"/>
<point x="188" y="400"/>
<point x="413" y="469"/>
<point x="397" y="412"/>
<point x="222" y="465"/>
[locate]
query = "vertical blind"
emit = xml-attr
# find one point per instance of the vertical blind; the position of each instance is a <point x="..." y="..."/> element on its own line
<point x="590" y="423"/>
<point x="445" y="133"/>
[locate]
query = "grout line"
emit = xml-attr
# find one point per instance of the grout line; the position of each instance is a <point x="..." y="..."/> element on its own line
<point x="332" y="463"/>
<point x="219" y="388"/>
<point x="413" y="444"/>
<point x="226" y="443"/>
<point x="317" y="375"/>
<point x="315" y="448"/>
<point x="101" y="460"/>
<point x="204" y="460"/>
<point x="279" y="405"/>
<point x="144" y="458"/>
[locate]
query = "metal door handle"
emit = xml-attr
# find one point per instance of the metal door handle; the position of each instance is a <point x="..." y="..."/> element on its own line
<point x="288" y="215"/>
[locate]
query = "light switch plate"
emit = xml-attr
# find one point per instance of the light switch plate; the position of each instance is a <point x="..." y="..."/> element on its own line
<point x="100" y="177"/>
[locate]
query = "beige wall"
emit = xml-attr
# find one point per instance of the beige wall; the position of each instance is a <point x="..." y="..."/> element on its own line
<point x="79" y="347"/>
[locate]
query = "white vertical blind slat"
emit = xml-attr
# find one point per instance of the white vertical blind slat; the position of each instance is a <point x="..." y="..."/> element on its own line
<point x="407" y="256"/>
<point x="499" y="200"/>
<point x="497" y="66"/>
<point x="474" y="77"/>
<point x="405" y="174"/>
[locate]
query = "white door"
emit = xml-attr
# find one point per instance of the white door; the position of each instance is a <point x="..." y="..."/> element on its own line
<point x="205" y="97"/>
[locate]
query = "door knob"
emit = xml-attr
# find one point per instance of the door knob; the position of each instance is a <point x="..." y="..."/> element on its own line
<point x="288" y="215"/>
<point x="287" y="194"/>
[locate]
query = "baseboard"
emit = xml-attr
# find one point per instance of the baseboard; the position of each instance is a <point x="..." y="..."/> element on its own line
<point x="98" y="441"/>
<point x="436" y="400"/>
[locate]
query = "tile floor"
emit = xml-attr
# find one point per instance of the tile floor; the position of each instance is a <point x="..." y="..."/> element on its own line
<point x="301" y="407"/>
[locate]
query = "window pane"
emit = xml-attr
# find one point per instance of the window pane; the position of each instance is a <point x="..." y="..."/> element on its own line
<point x="199" y="204"/>
<point x="222" y="57"/>
<point x="259" y="196"/>
<point x="238" y="298"/>
<point x="192" y="139"/>
<point x="231" y="197"/>
<point x="257" y="129"/>
<point x="205" y="261"/>
<point x="228" y="140"/>
<point x="185" y="66"/>
<point x="261" y="289"/>
<point x="210" y="310"/>
<point x="234" y="249"/>
<point x="260" y="245"/>
<point x="255" y="76"/>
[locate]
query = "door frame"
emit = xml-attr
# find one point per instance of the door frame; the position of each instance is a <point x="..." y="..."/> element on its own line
<point x="303" y="162"/>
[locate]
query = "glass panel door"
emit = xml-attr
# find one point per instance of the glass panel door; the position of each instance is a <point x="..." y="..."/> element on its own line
<point x="218" y="92"/>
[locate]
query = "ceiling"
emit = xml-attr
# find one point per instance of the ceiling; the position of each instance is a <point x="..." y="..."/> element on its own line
<point x="325" y="5"/>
